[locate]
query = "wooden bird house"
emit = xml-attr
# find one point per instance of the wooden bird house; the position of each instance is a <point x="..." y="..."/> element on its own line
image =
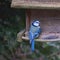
<point x="47" y="11"/>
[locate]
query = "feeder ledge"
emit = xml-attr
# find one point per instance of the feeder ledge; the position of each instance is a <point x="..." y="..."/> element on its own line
<point x="20" y="37"/>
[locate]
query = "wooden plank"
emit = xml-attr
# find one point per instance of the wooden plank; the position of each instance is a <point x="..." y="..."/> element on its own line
<point x="35" y="4"/>
<point x="28" y="18"/>
<point x="42" y="40"/>
<point x="19" y="35"/>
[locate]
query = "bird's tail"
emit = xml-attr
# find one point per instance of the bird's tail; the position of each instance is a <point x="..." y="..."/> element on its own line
<point x="32" y="45"/>
<point x="32" y="42"/>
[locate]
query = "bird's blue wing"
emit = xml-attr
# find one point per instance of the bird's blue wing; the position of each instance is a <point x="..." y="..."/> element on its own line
<point x="31" y="38"/>
<point x="33" y="33"/>
<point x="37" y="33"/>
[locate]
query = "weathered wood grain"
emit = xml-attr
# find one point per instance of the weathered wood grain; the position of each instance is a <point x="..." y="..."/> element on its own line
<point x="36" y="4"/>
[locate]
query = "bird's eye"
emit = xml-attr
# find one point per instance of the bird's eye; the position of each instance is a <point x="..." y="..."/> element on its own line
<point x="37" y="22"/>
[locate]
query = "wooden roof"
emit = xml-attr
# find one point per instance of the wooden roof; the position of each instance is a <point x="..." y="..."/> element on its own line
<point x="36" y="4"/>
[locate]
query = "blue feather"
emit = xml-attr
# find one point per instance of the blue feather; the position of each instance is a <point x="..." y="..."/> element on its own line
<point x="32" y="45"/>
<point x="31" y="37"/>
<point x="33" y="33"/>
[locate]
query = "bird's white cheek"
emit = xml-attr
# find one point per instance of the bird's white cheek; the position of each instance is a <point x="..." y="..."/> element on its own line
<point x="36" y="24"/>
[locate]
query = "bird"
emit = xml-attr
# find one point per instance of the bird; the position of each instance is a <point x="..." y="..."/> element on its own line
<point x="34" y="32"/>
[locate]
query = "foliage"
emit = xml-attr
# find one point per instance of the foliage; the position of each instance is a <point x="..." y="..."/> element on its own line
<point x="5" y="3"/>
<point x="10" y="25"/>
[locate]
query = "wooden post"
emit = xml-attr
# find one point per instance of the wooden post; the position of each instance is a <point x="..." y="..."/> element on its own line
<point x="28" y="20"/>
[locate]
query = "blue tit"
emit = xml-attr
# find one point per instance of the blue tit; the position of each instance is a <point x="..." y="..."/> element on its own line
<point x="34" y="32"/>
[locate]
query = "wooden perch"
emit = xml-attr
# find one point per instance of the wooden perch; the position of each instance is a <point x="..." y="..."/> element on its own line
<point x="19" y="35"/>
<point x="42" y="40"/>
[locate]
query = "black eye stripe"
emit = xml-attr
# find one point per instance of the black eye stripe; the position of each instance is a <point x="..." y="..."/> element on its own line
<point x="37" y="22"/>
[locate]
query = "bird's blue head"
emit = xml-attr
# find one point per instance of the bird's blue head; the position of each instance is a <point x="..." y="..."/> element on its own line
<point x="36" y="23"/>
